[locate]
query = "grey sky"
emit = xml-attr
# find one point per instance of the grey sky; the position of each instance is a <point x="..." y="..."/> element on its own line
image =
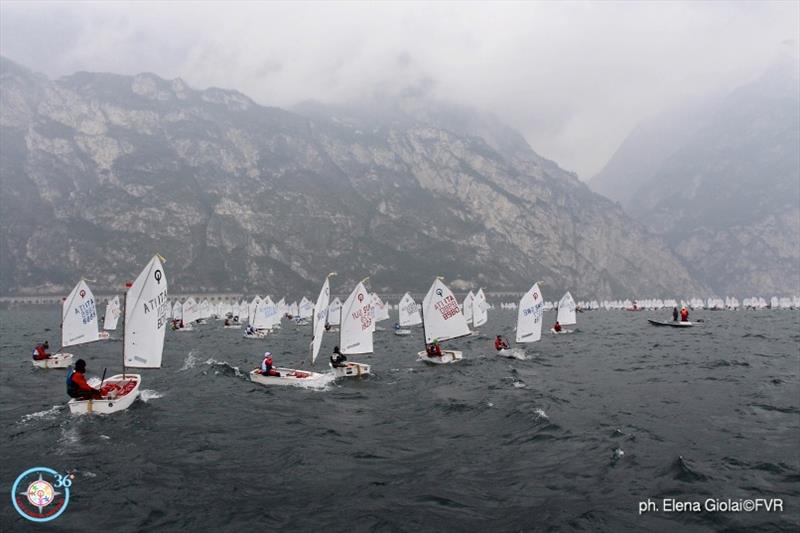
<point x="574" y="78"/>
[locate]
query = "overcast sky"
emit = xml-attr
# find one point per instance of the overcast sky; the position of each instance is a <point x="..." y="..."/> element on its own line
<point x="574" y="78"/>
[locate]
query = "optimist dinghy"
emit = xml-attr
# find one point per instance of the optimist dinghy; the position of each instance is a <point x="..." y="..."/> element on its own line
<point x="408" y="315"/>
<point x="355" y="331"/>
<point x="441" y="320"/>
<point x="78" y="325"/>
<point x="288" y="376"/>
<point x="145" y="311"/>
<point x="529" y="321"/>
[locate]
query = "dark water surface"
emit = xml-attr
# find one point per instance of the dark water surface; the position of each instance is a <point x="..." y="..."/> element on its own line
<point x="571" y="438"/>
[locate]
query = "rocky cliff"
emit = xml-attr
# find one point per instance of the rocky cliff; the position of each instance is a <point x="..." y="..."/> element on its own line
<point x="721" y="183"/>
<point x="99" y="171"/>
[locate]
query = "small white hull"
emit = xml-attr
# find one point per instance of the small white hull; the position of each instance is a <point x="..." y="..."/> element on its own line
<point x="402" y="332"/>
<point x="103" y="335"/>
<point x="289" y="376"/>
<point x="448" y="356"/>
<point x="506" y="352"/>
<point x="185" y="328"/>
<point x="57" y="360"/>
<point x="351" y="370"/>
<point x="674" y="324"/>
<point x="233" y="326"/>
<point x="562" y="332"/>
<point x="123" y="392"/>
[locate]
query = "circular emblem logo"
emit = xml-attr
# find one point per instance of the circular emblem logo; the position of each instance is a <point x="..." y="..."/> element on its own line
<point x="439" y="292"/>
<point x="41" y="494"/>
<point x="83" y="293"/>
<point x="360" y="297"/>
<point x="157" y="275"/>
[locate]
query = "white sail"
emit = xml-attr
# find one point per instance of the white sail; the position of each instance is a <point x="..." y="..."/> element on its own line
<point x="306" y="309"/>
<point x="294" y="310"/>
<point x="480" y="309"/>
<point x="251" y="308"/>
<point x="566" y="310"/>
<point x="467" y="307"/>
<point x="320" y="315"/>
<point x="355" y="333"/>
<point x="205" y="309"/>
<point x="177" y="311"/>
<point x="335" y="312"/>
<point x="112" y="314"/>
<point x="529" y="315"/>
<point x="442" y="319"/>
<point x="146" y="317"/>
<point x="270" y="310"/>
<point x="379" y="310"/>
<point x="79" y="317"/>
<point x="260" y="319"/>
<point x="409" y="311"/>
<point x="191" y="310"/>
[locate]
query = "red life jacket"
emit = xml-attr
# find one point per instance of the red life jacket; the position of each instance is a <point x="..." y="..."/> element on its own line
<point x="499" y="344"/>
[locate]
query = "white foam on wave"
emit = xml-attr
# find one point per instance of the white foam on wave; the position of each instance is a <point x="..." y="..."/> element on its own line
<point x="189" y="362"/>
<point x="519" y="385"/>
<point x="539" y="414"/>
<point x="147" y="395"/>
<point x="212" y="362"/>
<point x="47" y="414"/>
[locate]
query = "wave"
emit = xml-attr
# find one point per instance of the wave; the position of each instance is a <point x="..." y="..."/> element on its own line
<point x="147" y="395"/>
<point x="225" y="368"/>
<point x="681" y="470"/>
<point x="189" y="362"/>
<point x="47" y="414"/>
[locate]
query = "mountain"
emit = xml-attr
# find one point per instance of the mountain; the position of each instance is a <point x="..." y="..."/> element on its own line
<point x="721" y="183"/>
<point x="100" y="171"/>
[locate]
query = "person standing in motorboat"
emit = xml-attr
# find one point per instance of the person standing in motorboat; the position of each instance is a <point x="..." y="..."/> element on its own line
<point x="500" y="343"/>
<point x="77" y="387"/>
<point x="684" y="314"/>
<point x="338" y="359"/>
<point x="40" y="351"/>
<point x="675" y="314"/>
<point x="266" y="366"/>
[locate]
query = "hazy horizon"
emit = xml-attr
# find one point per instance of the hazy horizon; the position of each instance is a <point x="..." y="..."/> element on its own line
<point x="573" y="78"/>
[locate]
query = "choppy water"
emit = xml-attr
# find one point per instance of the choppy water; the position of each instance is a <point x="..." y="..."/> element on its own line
<point x="571" y="436"/>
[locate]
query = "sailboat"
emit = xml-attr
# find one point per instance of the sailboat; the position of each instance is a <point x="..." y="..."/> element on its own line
<point x="334" y="314"/>
<point x="408" y="315"/>
<point x="291" y="376"/>
<point x="380" y="312"/>
<point x="78" y="325"/>
<point x="441" y="320"/>
<point x="480" y="309"/>
<point x="145" y="311"/>
<point x="261" y="319"/>
<point x="529" y="319"/>
<point x="110" y="318"/>
<point x="566" y="315"/>
<point x="355" y="331"/>
<point x="466" y="307"/>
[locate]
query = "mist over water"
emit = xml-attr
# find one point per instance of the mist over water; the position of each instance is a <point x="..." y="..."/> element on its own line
<point x="572" y="437"/>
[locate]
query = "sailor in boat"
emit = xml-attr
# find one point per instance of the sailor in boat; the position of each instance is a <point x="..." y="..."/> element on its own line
<point x="249" y="330"/>
<point x="675" y="314"/>
<point x="266" y="366"/>
<point x="338" y="359"/>
<point x="328" y="327"/>
<point x="227" y="321"/>
<point x="40" y="351"/>
<point x="397" y="326"/>
<point x="76" y="383"/>
<point x="500" y="343"/>
<point x="557" y="327"/>
<point x="434" y="350"/>
<point x="684" y="314"/>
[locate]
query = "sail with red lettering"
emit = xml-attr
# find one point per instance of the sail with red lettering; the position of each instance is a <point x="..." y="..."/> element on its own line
<point x="441" y="316"/>
<point x="146" y="317"/>
<point x="355" y="333"/>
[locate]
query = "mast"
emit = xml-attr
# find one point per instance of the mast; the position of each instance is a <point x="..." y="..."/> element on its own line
<point x="424" y="335"/>
<point x="128" y="285"/>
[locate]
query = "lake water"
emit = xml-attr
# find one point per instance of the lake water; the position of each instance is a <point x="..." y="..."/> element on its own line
<point x="570" y="437"/>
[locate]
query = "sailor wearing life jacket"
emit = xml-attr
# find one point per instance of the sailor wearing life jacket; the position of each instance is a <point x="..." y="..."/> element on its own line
<point x="40" y="351"/>
<point x="76" y="383"/>
<point x="500" y="343"/>
<point x="266" y="366"/>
